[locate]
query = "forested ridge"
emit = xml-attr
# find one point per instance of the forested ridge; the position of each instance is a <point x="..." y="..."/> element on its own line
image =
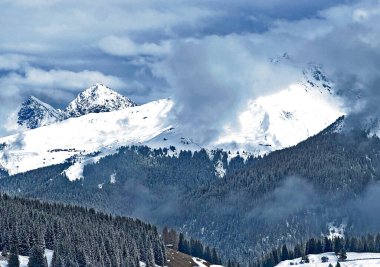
<point x="327" y="176"/>
<point x="78" y="236"/>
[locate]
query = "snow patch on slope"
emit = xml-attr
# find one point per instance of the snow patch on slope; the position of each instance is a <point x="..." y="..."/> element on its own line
<point x="220" y="171"/>
<point x="75" y="171"/>
<point x="336" y="231"/>
<point x="203" y="263"/>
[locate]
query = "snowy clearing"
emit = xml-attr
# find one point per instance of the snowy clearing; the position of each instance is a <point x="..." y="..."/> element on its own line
<point x="353" y="260"/>
<point x="24" y="259"/>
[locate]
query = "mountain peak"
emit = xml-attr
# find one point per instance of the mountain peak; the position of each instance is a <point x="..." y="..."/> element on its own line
<point x="315" y="77"/>
<point x="98" y="98"/>
<point x="100" y="89"/>
<point x="35" y="113"/>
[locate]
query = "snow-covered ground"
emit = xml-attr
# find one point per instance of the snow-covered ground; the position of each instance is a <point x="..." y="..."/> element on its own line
<point x="281" y="120"/>
<point x="353" y="260"/>
<point x="202" y="263"/>
<point x="24" y="259"/>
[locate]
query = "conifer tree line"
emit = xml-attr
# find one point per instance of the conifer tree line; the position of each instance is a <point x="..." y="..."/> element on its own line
<point x="78" y="236"/>
<point x="190" y="246"/>
<point x="340" y="246"/>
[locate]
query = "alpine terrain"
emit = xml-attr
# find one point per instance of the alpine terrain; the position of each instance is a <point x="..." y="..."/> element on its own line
<point x="189" y="133"/>
<point x="105" y="120"/>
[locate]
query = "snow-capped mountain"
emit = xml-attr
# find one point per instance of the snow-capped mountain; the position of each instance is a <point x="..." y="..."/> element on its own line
<point x="99" y="121"/>
<point x="80" y="137"/>
<point x="284" y="118"/>
<point x="34" y="113"/>
<point x="97" y="98"/>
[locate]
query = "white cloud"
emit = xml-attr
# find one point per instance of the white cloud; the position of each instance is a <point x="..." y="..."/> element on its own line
<point x="212" y="79"/>
<point x="63" y="79"/>
<point x="15" y="85"/>
<point x="124" y="46"/>
<point x="69" y="79"/>
<point x="13" y="61"/>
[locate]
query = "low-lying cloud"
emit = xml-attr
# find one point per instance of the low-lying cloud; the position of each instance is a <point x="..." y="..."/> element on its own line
<point x="293" y="195"/>
<point x="211" y="79"/>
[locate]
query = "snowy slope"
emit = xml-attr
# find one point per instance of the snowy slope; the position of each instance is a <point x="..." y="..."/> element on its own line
<point x="285" y="118"/>
<point x="203" y="263"/>
<point x="97" y="98"/>
<point x="353" y="260"/>
<point x="103" y="132"/>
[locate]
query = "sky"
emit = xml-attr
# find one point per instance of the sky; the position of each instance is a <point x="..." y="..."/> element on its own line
<point x="209" y="56"/>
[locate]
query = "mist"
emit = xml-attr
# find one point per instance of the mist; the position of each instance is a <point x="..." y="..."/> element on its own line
<point x="212" y="80"/>
<point x="291" y="196"/>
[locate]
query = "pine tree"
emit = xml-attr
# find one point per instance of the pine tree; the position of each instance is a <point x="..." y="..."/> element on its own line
<point x="37" y="258"/>
<point x="166" y="236"/>
<point x="371" y="243"/>
<point x="181" y="243"/>
<point x="4" y="253"/>
<point x="327" y="245"/>
<point x="81" y="259"/>
<point x="23" y="244"/>
<point x="207" y="254"/>
<point x="377" y="243"/>
<point x="318" y="247"/>
<point x="13" y="260"/>
<point x="354" y="244"/>
<point x="56" y="260"/>
<point x="284" y="253"/>
<point x="214" y="257"/>
<point x="298" y="251"/>
<point x="342" y="255"/>
<point x="337" y="245"/>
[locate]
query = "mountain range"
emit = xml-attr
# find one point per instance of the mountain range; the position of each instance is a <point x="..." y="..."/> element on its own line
<point x="99" y="121"/>
<point x="280" y="177"/>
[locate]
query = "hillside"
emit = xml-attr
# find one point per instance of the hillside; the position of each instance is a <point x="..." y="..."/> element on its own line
<point x="186" y="193"/>
<point x="78" y="236"/>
